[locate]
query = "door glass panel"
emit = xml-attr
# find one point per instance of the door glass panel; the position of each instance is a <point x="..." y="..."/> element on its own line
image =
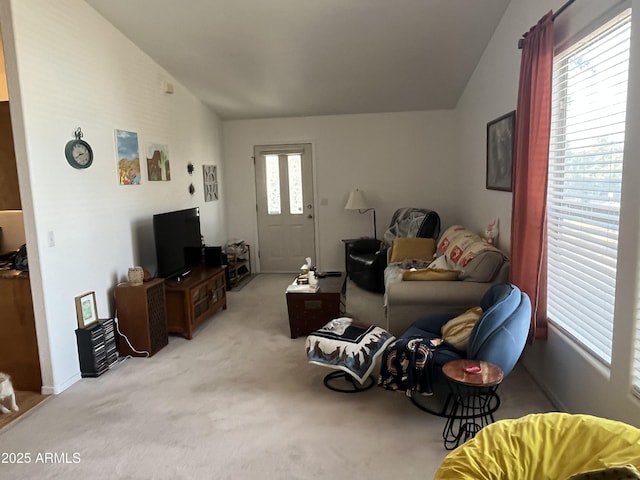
<point x="272" y="170"/>
<point x="295" y="184"/>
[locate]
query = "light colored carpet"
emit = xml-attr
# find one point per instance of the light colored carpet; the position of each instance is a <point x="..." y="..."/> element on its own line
<point x="26" y="401"/>
<point x="238" y="401"/>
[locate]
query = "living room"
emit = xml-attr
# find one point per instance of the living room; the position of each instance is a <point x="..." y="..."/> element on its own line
<point x="431" y="159"/>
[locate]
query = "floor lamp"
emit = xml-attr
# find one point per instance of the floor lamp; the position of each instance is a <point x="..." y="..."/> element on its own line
<point x="357" y="202"/>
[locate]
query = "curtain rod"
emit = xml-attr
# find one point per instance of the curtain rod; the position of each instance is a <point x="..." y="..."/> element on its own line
<point x="553" y="17"/>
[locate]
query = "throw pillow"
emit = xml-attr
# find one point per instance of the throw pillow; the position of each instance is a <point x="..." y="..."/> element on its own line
<point x="418" y="248"/>
<point x="456" y="331"/>
<point x="430" y="274"/>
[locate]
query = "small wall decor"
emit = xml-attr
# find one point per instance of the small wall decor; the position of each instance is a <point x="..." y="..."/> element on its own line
<point x="86" y="310"/>
<point x="128" y="157"/>
<point x="210" y="175"/>
<point x="192" y="189"/>
<point x="158" y="162"/>
<point x="190" y="168"/>
<point x="500" y="146"/>
<point x="78" y="152"/>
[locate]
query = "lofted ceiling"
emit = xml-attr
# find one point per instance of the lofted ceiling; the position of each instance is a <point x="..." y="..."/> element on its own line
<point x="284" y="58"/>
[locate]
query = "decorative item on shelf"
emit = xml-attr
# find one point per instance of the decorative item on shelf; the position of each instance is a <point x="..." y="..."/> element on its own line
<point x="78" y="152"/>
<point x="86" y="310"/>
<point x="136" y="275"/>
<point x="357" y="202"/>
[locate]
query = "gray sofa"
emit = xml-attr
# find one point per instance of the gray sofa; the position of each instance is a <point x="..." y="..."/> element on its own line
<point x="480" y="265"/>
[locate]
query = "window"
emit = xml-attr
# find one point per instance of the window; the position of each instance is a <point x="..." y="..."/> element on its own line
<point x="584" y="184"/>
<point x="272" y="168"/>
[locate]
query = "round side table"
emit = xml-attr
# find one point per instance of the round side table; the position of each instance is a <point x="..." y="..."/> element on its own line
<point x="473" y="385"/>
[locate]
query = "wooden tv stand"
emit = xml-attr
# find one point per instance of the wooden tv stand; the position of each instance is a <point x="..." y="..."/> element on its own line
<point x="195" y="298"/>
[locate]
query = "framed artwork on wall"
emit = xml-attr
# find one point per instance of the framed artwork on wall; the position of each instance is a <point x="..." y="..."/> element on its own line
<point x="210" y="175"/>
<point x="500" y="146"/>
<point x="158" y="162"/>
<point x="128" y="157"/>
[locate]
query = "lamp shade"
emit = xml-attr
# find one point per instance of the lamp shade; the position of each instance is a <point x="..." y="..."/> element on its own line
<point x="356" y="201"/>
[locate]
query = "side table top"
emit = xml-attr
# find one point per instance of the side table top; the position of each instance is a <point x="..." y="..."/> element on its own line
<point x="488" y="375"/>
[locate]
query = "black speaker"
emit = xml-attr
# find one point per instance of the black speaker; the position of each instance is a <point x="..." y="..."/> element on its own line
<point x="213" y="256"/>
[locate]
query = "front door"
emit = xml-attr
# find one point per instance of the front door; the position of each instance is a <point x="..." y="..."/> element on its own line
<point x="284" y="190"/>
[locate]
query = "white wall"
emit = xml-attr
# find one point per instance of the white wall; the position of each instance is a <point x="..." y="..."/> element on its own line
<point x="67" y="67"/>
<point x="397" y="159"/>
<point x="573" y="380"/>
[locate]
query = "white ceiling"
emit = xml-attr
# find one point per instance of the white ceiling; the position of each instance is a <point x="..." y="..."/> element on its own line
<point x="277" y="58"/>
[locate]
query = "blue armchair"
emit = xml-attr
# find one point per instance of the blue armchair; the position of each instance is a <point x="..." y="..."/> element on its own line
<point x="498" y="337"/>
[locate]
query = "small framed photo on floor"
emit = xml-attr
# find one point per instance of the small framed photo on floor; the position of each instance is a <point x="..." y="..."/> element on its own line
<point x="86" y="310"/>
<point x="500" y="146"/>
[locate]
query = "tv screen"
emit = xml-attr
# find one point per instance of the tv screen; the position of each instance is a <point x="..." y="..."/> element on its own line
<point x="178" y="241"/>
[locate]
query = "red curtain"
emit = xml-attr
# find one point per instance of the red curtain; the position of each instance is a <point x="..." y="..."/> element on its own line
<point x="533" y="122"/>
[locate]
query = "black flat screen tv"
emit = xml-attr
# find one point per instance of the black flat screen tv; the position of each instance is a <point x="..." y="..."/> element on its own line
<point x="178" y="242"/>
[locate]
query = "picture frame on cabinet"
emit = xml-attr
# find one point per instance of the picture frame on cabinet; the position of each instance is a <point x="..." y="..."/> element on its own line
<point x="86" y="311"/>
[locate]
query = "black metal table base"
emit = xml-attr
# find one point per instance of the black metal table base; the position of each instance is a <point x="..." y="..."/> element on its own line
<point x="339" y="381"/>
<point x="471" y="410"/>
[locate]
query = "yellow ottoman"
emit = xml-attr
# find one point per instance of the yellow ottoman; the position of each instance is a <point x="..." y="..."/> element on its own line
<point x="543" y="446"/>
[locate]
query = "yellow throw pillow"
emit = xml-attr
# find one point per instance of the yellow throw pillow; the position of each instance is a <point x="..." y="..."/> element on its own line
<point x="408" y="248"/>
<point x="430" y="274"/>
<point x="456" y="331"/>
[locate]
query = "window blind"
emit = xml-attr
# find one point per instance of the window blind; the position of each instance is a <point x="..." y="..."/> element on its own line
<point x="584" y="184"/>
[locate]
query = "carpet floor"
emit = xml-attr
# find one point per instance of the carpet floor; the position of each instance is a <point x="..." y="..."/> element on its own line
<point x="238" y="401"/>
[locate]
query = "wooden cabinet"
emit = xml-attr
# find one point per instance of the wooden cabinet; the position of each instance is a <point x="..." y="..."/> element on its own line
<point x="238" y="265"/>
<point x="97" y="348"/>
<point x="142" y="317"/>
<point x="18" y="344"/>
<point x="194" y="299"/>
<point x="311" y="311"/>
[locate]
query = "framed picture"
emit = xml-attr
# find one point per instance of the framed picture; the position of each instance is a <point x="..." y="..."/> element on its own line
<point x="500" y="146"/>
<point x="210" y="175"/>
<point x="158" y="162"/>
<point x="128" y="157"/>
<point x="86" y="310"/>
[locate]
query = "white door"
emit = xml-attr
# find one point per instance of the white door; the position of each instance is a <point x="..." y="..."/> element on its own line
<point x="284" y="190"/>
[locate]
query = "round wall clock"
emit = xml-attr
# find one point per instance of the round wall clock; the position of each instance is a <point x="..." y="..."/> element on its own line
<point x="78" y="152"/>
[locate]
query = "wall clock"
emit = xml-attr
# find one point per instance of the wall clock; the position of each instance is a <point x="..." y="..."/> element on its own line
<point x="78" y="152"/>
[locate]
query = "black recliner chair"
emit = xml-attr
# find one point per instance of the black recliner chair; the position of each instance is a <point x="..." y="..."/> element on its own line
<point x="367" y="257"/>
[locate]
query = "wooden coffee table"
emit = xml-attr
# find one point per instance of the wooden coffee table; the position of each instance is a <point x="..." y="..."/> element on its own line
<point x="311" y="311"/>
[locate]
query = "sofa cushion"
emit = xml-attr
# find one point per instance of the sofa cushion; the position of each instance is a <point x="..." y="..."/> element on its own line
<point x="412" y="248"/>
<point x="430" y="274"/>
